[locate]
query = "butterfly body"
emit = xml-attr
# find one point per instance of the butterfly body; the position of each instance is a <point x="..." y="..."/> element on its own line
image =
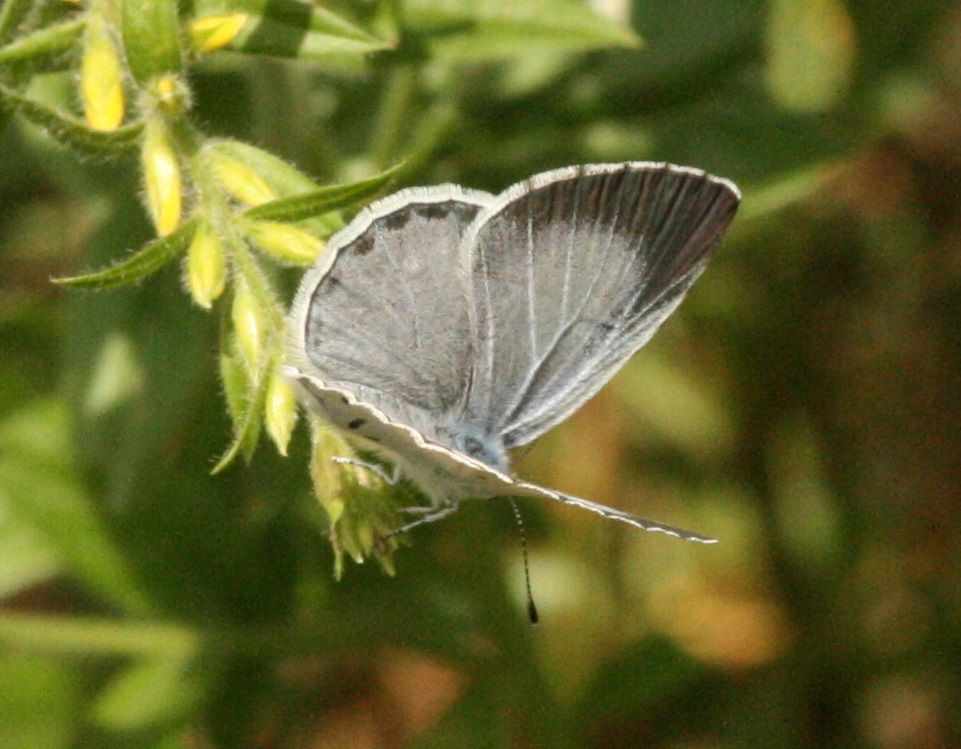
<point x="444" y="473"/>
<point x="446" y="326"/>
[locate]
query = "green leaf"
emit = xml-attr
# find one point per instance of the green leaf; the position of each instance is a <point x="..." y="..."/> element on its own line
<point x="247" y="424"/>
<point x="811" y="53"/>
<point x="787" y="188"/>
<point x="71" y="131"/>
<point x="483" y="29"/>
<point x="151" y="37"/>
<point x="39" y="699"/>
<point x="324" y="199"/>
<point x="151" y="692"/>
<point x="43" y="43"/>
<point x="289" y="28"/>
<point x="150" y="259"/>
<point x="642" y="680"/>
<point x="685" y="39"/>
<point x="26" y="557"/>
<point x="38" y="482"/>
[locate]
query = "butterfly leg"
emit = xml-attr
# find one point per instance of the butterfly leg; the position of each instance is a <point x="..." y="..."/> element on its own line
<point x="418" y="510"/>
<point x="377" y="470"/>
<point x="430" y="517"/>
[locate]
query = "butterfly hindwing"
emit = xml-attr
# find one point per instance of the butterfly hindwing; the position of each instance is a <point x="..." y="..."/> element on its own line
<point x="385" y="314"/>
<point x="446" y="475"/>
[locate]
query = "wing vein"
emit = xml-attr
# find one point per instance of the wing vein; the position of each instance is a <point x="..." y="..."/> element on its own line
<point x="415" y="328"/>
<point x="563" y="330"/>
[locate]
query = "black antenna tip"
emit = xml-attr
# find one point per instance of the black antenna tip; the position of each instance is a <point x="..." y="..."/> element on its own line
<point x="532" y="614"/>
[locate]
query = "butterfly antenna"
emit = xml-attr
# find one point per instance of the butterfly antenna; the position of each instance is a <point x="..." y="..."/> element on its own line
<point x="522" y="529"/>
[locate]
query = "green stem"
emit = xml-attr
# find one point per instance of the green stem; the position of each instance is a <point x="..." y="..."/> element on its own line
<point x="86" y="635"/>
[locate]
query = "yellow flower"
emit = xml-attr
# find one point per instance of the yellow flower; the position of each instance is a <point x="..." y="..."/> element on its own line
<point x="250" y="325"/>
<point x="206" y="266"/>
<point x="216" y="32"/>
<point x="280" y="411"/>
<point x="285" y="242"/>
<point x="238" y="179"/>
<point x="101" y="80"/>
<point x="162" y="177"/>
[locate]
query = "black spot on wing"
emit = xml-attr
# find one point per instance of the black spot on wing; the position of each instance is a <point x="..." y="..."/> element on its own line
<point x="362" y="245"/>
<point x="436" y="210"/>
<point x="429" y="212"/>
<point x="397" y="220"/>
<point x="356" y="423"/>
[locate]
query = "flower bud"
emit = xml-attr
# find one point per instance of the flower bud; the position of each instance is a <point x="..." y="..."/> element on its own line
<point x="162" y="177"/>
<point x="328" y="477"/>
<point x="362" y="509"/>
<point x="280" y="411"/>
<point x="206" y="266"/>
<point x="101" y="81"/>
<point x="250" y="325"/>
<point x="236" y="384"/>
<point x="285" y="242"/>
<point x="211" y="33"/>
<point x="170" y="94"/>
<point x="238" y="179"/>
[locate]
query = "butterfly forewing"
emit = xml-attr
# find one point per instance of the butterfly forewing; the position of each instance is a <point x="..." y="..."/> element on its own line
<point x="574" y="271"/>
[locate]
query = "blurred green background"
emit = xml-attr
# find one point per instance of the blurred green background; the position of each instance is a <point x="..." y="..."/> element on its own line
<point x="803" y="406"/>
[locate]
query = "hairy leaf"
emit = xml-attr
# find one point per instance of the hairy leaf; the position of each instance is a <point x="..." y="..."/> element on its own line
<point x="288" y="28"/>
<point x="43" y="43"/>
<point x="485" y="29"/>
<point x="324" y="199"/>
<point x="71" y="131"/>
<point x="150" y="259"/>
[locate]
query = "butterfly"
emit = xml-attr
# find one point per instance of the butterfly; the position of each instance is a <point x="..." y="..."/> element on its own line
<point x="446" y="326"/>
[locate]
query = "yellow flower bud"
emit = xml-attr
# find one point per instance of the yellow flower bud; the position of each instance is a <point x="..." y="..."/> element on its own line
<point x="238" y="179"/>
<point x="236" y="384"/>
<point x="170" y="94"/>
<point x="328" y="477"/>
<point x="280" y="411"/>
<point x="285" y="242"/>
<point x="101" y="81"/>
<point x="162" y="177"/>
<point x="249" y="324"/>
<point x="350" y="542"/>
<point x="206" y="266"/>
<point x="211" y="33"/>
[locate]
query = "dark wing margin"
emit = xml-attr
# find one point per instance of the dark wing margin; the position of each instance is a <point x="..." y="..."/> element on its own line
<point x="574" y="270"/>
<point x="384" y="313"/>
